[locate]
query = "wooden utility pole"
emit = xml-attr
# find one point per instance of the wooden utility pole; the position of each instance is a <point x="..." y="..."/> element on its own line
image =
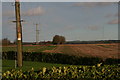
<point x="19" y="34"/>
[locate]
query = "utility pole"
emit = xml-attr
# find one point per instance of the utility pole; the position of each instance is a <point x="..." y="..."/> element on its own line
<point x="37" y="34"/>
<point x="19" y="34"/>
<point x="103" y="32"/>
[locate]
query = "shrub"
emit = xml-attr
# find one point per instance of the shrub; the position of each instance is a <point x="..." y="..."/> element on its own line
<point x="106" y="72"/>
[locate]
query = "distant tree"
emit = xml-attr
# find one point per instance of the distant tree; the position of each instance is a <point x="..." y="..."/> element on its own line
<point x="60" y="42"/>
<point x="58" y="39"/>
<point x="62" y="39"/>
<point x="5" y="41"/>
<point x="15" y="41"/>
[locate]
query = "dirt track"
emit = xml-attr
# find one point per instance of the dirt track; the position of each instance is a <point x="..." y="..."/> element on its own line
<point x="98" y="50"/>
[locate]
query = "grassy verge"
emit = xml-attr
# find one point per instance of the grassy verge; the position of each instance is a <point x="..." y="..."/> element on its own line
<point x="27" y="65"/>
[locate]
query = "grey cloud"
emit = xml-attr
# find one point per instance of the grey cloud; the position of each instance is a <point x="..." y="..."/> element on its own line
<point x="94" y="27"/>
<point x="8" y="13"/>
<point x="34" y="12"/>
<point x="109" y="15"/>
<point x="69" y="27"/>
<point x="31" y="12"/>
<point x="115" y="21"/>
<point x="92" y="4"/>
<point x="117" y="14"/>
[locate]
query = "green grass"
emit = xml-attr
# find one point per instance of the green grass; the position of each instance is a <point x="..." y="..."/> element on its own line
<point x="105" y="46"/>
<point x="27" y="65"/>
<point x="29" y="48"/>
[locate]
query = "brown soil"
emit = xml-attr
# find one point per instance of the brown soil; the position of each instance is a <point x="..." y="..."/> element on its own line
<point x="96" y="50"/>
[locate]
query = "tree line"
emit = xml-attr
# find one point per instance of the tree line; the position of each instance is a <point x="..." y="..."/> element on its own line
<point x="93" y="42"/>
<point x="5" y="42"/>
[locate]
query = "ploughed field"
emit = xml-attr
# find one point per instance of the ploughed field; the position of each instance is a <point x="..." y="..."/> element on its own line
<point x="87" y="50"/>
<point x="28" y="48"/>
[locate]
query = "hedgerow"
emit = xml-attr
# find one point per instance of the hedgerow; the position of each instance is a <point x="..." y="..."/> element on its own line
<point x="59" y="58"/>
<point x="53" y="58"/>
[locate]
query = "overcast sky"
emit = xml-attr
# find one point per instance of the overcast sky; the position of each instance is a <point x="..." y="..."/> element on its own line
<point x="76" y="21"/>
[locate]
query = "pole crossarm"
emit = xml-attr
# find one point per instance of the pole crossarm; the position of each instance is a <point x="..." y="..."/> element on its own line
<point x="19" y="21"/>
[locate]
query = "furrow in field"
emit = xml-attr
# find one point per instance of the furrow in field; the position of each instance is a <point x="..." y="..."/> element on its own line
<point x="109" y="52"/>
<point x="54" y="50"/>
<point x="99" y="51"/>
<point x="96" y="50"/>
